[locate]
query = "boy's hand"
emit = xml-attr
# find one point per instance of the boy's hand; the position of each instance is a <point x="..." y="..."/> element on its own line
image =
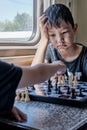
<point x="43" y="26"/>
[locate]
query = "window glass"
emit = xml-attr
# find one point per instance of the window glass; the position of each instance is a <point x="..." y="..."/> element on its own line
<point x="16" y="19"/>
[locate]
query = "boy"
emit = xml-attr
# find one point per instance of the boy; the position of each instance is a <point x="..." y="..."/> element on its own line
<point x="57" y="41"/>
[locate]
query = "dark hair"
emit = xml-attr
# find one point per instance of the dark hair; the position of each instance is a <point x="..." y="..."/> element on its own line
<point x="58" y="12"/>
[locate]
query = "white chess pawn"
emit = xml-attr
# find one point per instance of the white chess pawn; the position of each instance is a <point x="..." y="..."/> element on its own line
<point x="22" y="97"/>
<point x="27" y="95"/>
<point x="70" y="79"/>
<point x="59" y="80"/>
<point x="62" y="80"/>
<point x="17" y="98"/>
<point x="75" y="82"/>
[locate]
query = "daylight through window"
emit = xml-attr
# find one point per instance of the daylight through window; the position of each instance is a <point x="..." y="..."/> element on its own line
<point x="16" y="19"/>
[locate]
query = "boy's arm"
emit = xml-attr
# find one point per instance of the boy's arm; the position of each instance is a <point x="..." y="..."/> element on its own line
<point x="40" y="52"/>
<point x="42" y="46"/>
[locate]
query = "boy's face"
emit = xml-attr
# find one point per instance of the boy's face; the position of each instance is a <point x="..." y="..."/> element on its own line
<point x="62" y="37"/>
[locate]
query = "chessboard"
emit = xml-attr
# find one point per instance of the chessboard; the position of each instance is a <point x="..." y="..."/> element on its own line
<point x="59" y="91"/>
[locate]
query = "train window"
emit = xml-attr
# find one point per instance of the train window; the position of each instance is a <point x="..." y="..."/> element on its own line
<point x="19" y="27"/>
<point x="17" y="20"/>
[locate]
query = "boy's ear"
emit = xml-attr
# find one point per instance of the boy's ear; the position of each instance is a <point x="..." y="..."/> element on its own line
<point x="75" y="27"/>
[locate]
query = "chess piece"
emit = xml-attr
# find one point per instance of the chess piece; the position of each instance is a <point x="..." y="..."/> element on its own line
<point x="56" y="87"/>
<point x="73" y="95"/>
<point x="22" y="97"/>
<point x="75" y="82"/>
<point x="62" y="80"/>
<point x="80" y="92"/>
<point x="68" y="90"/>
<point x="70" y="79"/>
<point x="17" y="98"/>
<point x="27" y="95"/>
<point x="39" y="90"/>
<point x="59" y="79"/>
<point x="49" y="86"/>
<point x="59" y="90"/>
<point x="53" y="81"/>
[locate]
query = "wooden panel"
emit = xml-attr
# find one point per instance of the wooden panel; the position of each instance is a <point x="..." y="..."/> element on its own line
<point x="21" y="60"/>
<point x="11" y="51"/>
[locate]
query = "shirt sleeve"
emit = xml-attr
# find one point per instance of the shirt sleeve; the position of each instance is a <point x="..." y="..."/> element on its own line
<point x="48" y="56"/>
<point x="10" y="76"/>
<point x="51" y="54"/>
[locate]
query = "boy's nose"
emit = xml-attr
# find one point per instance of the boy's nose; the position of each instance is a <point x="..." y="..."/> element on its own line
<point x="60" y="40"/>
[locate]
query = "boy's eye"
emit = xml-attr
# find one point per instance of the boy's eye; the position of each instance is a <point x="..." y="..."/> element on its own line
<point x="65" y="32"/>
<point x="52" y="35"/>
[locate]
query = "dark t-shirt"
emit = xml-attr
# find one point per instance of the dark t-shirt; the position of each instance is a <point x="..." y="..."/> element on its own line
<point x="77" y="66"/>
<point x="10" y="76"/>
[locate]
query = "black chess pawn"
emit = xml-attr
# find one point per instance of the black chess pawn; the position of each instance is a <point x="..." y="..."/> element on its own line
<point x="49" y="86"/>
<point x="59" y="90"/>
<point x="80" y="92"/>
<point x="73" y="93"/>
<point x="56" y="87"/>
<point x="68" y="90"/>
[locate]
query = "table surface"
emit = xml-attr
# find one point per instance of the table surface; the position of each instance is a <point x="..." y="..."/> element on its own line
<point x="47" y="116"/>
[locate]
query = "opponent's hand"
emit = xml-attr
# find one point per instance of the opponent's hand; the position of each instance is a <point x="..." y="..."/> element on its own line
<point x="18" y="115"/>
<point x="61" y="68"/>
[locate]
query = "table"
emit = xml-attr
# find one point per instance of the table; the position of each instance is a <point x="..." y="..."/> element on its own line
<point x="47" y="116"/>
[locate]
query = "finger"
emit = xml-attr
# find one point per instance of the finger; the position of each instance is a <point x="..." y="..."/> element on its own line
<point x="43" y="19"/>
<point x="19" y="115"/>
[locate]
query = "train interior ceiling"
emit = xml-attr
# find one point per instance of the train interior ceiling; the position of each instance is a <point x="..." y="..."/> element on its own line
<point x="21" y="50"/>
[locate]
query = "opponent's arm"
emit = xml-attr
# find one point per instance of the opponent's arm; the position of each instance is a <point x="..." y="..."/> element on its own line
<point x="36" y="74"/>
